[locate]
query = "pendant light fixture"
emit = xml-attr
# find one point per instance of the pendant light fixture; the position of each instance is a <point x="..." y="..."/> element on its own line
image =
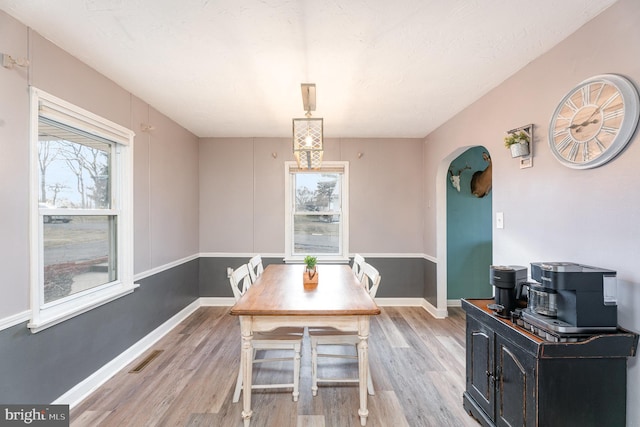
<point x="307" y="132"/>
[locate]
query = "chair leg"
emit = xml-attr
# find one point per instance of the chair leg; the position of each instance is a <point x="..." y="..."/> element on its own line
<point x="370" y="382"/>
<point x="314" y="366"/>
<point x="370" y="389"/>
<point x="296" y="376"/>
<point x="296" y="373"/>
<point x="236" y="393"/>
<point x="314" y="371"/>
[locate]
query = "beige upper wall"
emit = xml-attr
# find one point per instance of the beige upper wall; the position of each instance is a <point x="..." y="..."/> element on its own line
<point x="14" y="172"/>
<point x="242" y="194"/>
<point x="551" y="212"/>
<point x="165" y="160"/>
<point x="57" y="72"/>
<point x="386" y="195"/>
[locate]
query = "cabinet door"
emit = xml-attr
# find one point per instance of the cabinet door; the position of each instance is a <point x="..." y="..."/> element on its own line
<point x="480" y="367"/>
<point x="515" y="373"/>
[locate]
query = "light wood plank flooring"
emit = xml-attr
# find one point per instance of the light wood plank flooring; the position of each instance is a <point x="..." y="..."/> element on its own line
<point x="417" y="365"/>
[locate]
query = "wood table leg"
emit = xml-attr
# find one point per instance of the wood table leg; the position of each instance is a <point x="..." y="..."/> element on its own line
<point x="247" y="368"/>
<point x="363" y="367"/>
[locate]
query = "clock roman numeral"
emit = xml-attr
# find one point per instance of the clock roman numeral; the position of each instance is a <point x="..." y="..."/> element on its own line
<point x="613" y="114"/>
<point x="610" y="100"/>
<point x="586" y="95"/>
<point x="573" y="152"/>
<point x="585" y="151"/>
<point x="599" y="93"/>
<point x="562" y="145"/>
<point x="599" y="144"/>
<point x="558" y="132"/>
<point x="571" y="105"/>
<point x="610" y="130"/>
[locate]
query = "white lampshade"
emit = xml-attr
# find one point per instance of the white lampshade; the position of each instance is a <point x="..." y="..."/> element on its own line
<point x="307" y="142"/>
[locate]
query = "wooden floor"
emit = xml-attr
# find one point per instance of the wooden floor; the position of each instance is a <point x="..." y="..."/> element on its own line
<point x="417" y="364"/>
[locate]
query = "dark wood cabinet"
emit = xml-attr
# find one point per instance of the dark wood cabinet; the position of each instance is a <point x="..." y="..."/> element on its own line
<point x="514" y="378"/>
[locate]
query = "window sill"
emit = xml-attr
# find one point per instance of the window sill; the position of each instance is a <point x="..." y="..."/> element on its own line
<point x="321" y="260"/>
<point x="45" y="318"/>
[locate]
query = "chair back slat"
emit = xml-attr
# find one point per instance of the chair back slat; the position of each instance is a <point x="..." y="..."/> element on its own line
<point x="255" y="267"/>
<point x="358" y="261"/>
<point x="240" y="281"/>
<point x="371" y="279"/>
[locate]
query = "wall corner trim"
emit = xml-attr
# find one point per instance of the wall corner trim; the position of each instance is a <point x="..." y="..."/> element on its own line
<point x="435" y="312"/>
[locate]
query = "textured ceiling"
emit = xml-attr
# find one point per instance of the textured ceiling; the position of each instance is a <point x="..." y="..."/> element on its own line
<point x="234" y="68"/>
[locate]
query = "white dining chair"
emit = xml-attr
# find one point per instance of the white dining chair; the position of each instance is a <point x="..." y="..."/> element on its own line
<point x="255" y="267"/>
<point x="332" y="337"/>
<point x="279" y="339"/>
<point x="358" y="261"/>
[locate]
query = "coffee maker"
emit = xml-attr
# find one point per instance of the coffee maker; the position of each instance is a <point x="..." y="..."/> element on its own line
<point x="508" y="282"/>
<point x="569" y="300"/>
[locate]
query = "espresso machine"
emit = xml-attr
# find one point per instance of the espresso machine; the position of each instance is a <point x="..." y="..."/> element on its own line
<point x="568" y="301"/>
<point x="508" y="282"/>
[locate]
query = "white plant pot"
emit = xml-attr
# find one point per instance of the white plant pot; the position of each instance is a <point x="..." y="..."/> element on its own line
<point x="520" y="149"/>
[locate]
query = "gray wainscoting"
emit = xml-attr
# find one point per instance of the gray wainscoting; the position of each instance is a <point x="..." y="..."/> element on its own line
<point x="38" y="368"/>
<point x="401" y="277"/>
<point x="213" y="274"/>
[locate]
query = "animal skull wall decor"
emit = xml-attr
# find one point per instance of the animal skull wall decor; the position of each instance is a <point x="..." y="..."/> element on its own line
<point x="455" y="179"/>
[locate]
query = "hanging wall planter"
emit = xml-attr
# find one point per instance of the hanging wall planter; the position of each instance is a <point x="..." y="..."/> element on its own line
<point x="518" y="143"/>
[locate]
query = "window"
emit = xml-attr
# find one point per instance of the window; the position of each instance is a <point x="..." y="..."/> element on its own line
<point x="82" y="245"/>
<point x="317" y="221"/>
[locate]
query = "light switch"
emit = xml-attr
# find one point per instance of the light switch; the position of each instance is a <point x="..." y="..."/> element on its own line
<point x="499" y="220"/>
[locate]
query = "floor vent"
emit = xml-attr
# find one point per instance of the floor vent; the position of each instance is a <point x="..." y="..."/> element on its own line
<point x="146" y="361"/>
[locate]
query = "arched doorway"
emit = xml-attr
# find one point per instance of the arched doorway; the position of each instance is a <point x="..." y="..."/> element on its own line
<point x="467" y="219"/>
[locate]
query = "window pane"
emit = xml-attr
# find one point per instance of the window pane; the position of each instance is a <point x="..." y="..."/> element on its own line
<point x="316" y="234"/>
<point x="79" y="254"/>
<point x="74" y="168"/>
<point x="317" y="192"/>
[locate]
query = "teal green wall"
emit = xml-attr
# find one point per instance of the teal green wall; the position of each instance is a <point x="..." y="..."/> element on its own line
<point x="469" y="238"/>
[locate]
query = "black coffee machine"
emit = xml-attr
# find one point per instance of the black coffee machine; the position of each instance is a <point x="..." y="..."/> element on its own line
<point x="508" y="281"/>
<point x="568" y="299"/>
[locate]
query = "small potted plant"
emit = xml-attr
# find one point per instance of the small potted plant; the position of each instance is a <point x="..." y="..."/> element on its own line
<point x="310" y="278"/>
<point x="518" y="143"/>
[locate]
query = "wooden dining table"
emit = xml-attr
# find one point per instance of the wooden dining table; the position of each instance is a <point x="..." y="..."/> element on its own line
<point x="278" y="298"/>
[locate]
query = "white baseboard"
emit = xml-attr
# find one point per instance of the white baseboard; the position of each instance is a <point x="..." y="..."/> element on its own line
<point x="216" y="302"/>
<point x="412" y="302"/>
<point x="83" y="389"/>
<point x="16" y="319"/>
<point x="454" y="303"/>
<point x="400" y="302"/>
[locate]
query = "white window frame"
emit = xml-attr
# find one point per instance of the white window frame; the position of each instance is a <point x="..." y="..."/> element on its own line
<point x="48" y="314"/>
<point x="330" y="166"/>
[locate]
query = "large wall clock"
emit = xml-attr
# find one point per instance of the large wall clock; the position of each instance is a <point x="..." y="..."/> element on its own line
<point x="594" y="121"/>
